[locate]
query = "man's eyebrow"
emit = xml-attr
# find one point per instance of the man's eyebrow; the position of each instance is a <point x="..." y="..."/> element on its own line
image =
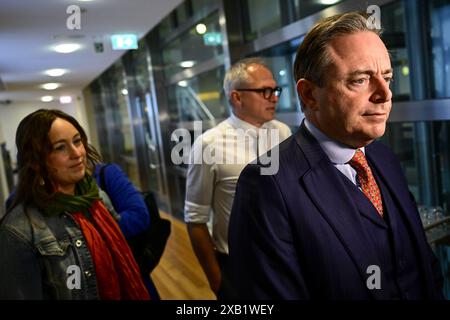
<point x="369" y="72"/>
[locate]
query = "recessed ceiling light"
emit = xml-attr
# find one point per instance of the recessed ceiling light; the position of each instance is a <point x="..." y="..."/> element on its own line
<point x="65" y="99"/>
<point x="187" y="64"/>
<point x="200" y="28"/>
<point x="328" y="2"/>
<point x="66" y="47"/>
<point x="183" y="83"/>
<point x="50" y="86"/>
<point x="46" y="98"/>
<point x="55" y="72"/>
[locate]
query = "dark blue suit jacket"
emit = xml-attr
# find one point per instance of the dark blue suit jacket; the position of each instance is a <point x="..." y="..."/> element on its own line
<point x="298" y="235"/>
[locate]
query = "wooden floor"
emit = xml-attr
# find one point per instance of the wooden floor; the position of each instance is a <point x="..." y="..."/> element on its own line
<point x="179" y="275"/>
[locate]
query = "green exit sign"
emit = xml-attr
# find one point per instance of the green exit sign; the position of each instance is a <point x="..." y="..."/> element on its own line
<point x="124" y="41"/>
<point x="212" y="39"/>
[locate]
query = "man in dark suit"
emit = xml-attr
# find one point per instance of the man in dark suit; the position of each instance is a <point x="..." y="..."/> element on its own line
<point x="337" y="220"/>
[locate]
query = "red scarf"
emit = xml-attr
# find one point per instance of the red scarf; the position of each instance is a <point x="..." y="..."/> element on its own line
<point x="118" y="276"/>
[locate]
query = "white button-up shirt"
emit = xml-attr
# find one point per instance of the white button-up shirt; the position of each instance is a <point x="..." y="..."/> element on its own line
<point x="338" y="153"/>
<point x="211" y="184"/>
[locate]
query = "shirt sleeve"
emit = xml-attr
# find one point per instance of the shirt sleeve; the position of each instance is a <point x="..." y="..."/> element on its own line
<point x="199" y="185"/>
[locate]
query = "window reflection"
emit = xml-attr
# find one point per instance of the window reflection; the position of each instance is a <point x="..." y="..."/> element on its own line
<point x="193" y="47"/>
<point x="198" y="98"/>
<point x="402" y="138"/>
<point x="281" y="67"/>
<point x="280" y="60"/>
<point x="118" y="123"/>
<point x="265" y="16"/>
<point x="306" y="8"/>
<point x="440" y="38"/>
<point x="393" y="24"/>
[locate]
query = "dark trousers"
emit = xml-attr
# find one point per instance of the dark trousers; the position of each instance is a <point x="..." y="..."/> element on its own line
<point x="226" y="291"/>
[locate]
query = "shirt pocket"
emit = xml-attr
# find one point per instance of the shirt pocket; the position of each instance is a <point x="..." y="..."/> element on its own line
<point x="56" y="258"/>
<point x="53" y="248"/>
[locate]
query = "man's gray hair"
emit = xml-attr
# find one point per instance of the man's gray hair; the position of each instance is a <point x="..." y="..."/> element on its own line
<point x="238" y="76"/>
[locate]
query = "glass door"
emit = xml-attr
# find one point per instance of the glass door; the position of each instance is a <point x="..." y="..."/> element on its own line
<point x="145" y="121"/>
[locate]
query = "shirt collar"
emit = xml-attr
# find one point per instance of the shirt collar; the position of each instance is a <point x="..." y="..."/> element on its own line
<point x="338" y="152"/>
<point x="239" y="123"/>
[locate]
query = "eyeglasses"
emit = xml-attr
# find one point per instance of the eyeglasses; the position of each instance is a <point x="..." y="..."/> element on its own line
<point x="266" y="92"/>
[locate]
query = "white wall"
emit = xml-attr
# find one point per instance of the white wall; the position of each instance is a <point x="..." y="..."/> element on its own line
<point x="12" y="114"/>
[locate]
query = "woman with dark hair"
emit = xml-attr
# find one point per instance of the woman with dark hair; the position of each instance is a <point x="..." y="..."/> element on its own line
<point x="58" y="240"/>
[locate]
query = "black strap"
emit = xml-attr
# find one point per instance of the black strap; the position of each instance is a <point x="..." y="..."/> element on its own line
<point x="101" y="174"/>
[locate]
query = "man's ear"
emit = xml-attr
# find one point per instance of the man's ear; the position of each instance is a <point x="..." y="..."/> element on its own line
<point x="235" y="99"/>
<point x="305" y="90"/>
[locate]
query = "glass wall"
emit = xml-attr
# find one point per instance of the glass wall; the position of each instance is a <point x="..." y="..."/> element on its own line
<point x="145" y="119"/>
<point x="191" y="70"/>
<point x="306" y="8"/>
<point x="198" y="98"/>
<point x="280" y="60"/>
<point x="394" y="29"/>
<point x="192" y="48"/>
<point x="265" y="16"/>
<point x="440" y="41"/>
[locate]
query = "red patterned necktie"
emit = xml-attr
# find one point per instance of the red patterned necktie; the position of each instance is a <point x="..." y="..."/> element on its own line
<point x="366" y="180"/>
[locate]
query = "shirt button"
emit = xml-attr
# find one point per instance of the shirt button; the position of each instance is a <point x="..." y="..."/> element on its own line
<point x="88" y="274"/>
<point x="78" y="243"/>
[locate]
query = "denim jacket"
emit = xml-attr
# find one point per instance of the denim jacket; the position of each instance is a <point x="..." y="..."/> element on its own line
<point x="44" y="257"/>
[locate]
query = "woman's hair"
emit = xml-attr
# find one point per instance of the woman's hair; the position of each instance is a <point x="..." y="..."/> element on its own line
<point x="33" y="147"/>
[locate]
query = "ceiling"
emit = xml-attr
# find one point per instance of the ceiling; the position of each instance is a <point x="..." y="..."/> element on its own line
<point x="30" y="28"/>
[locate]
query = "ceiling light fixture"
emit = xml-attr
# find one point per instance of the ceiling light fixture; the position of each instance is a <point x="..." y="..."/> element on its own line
<point x="65" y="99"/>
<point x="183" y="83"/>
<point x="67" y="47"/>
<point x="50" y="86"/>
<point x="187" y="64"/>
<point x="46" y="98"/>
<point x="201" y="28"/>
<point x="328" y="2"/>
<point x="55" y="72"/>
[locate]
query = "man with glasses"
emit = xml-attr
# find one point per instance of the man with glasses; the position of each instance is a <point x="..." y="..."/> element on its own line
<point x="253" y="94"/>
<point x="337" y="220"/>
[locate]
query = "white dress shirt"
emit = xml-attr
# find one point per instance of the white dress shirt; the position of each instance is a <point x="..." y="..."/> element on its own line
<point x="210" y="186"/>
<point x="338" y="153"/>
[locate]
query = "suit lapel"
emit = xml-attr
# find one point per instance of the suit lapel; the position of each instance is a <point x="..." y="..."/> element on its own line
<point x="329" y="194"/>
